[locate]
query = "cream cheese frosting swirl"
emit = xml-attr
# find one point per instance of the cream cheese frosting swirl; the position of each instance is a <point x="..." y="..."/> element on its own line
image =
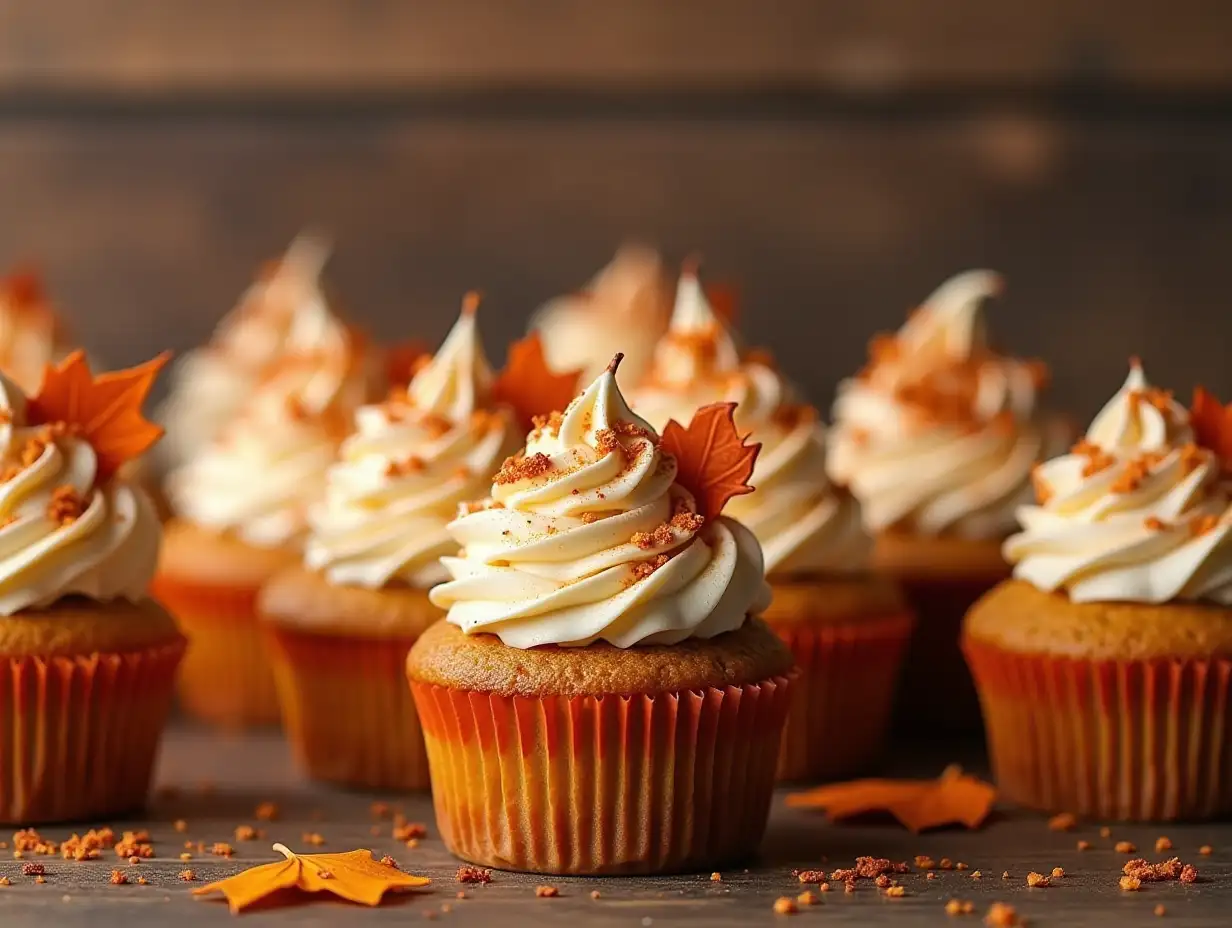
<point x="587" y="536"/>
<point x="62" y="531"/>
<point x="938" y="435"/>
<point x="285" y="312"/>
<point x="803" y="522"/>
<point x="410" y="463"/>
<point x="1135" y="512"/>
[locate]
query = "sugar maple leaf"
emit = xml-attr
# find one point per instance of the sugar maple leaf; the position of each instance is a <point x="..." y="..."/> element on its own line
<point x="713" y="461"/>
<point x="529" y="385"/>
<point x="1212" y="425"/>
<point x="105" y="410"/>
<point x="354" y="876"/>
<point x="952" y="798"/>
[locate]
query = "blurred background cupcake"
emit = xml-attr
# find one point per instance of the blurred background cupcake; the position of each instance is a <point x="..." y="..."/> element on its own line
<point x="597" y="614"/>
<point x="241" y="511"/>
<point x="1105" y="666"/>
<point x="341" y="625"/>
<point x="31" y="333"/>
<point x="846" y="627"/>
<point x="937" y="438"/>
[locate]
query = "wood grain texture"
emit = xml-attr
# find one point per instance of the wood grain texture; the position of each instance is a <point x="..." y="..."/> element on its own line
<point x="227" y="45"/>
<point x="1112" y="237"/>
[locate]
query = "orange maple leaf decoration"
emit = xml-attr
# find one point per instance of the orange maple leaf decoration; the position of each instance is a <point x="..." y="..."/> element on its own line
<point x="354" y="876"/>
<point x="104" y="410"/>
<point x="1212" y="425"/>
<point x="952" y="798"/>
<point x="529" y="385"/>
<point x="713" y="461"/>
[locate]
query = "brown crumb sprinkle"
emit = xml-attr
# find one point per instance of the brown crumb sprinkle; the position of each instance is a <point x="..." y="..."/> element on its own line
<point x="1162" y="844"/>
<point x="924" y="862"/>
<point x="389" y="862"/>
<point x="785" y="905"/>
<point x="716" y="877"/>
<point x="474" y="875"/>
<point x="66" y="506"/>
<point x="961" y="866"/>
<point x="33" y="869"/>
<point x="313" y="838"/>
<point x="522" y="467"/>
<point x="1105" y="832"/>
<point x="1130" y="884"/>
<point x="1084" y="845"/>
<point x="1125" y="847"/>
<point x="1001" y="915"/>
<point x="1005" y="874"/>
<point x="932" y="876"/>
<point x="405" y="831"/>
<point x="142" y="881"/>
<point x="1066" y="821"/>
<point x="976" y="875"/>
<point x="1057" y="873"/>
<point x="188" y="875"/>
<point x="246" y="833"/>
<point x="180" y="825"/>
<point x="594" y="894"/>
<point x="5" y="881"/>
<point x="546" y="892"/>
<point x="809" y="876"/>
<point x="946" y="864"/>
<point x="896" y="892"/>
<point x="40" y="879"/>
<point x="808" y="897"/>
<point x="118" y="878"/>
<point x="960" y="907"/>
<point x="883" y="882"/>
<point x="1206" y="850"/>
<point x="1160" y="911"/>
<point x="1189" y="874"/>
<point x="222" y="849"/>
<point x="267" y="812"/>
<point x="823" y="887"/>
<point x="1038" y="880"/>
<point x="185" y="856"/>
<point x="643" y="569"/>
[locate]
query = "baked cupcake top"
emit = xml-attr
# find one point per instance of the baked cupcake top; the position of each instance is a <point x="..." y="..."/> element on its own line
<point x="939" y="432"/>
<point x="1137" y="511"/>
<point x="283" y="313"/>
<point x="410" y="462"/>
<point x="31" y="336"/>
<point x="625" y="306"/>
<point x="257" y="478"/>
<point x="802" y="520"/>
<point x="589" y="535"/>
<point x="70" y="523"/>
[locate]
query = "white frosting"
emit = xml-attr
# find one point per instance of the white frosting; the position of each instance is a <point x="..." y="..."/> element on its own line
<point x="589" y="537"/>
<point x="804" y="524"/>
<point x="939" y="434"/>
<point x="109" y="551"/>
<point x="412" y="460"/>
<point x="1137" y="512"/>
<point x="624" y="308"/>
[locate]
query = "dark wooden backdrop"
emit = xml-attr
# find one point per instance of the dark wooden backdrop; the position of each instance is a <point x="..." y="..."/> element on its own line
<point x="837" y="158"/>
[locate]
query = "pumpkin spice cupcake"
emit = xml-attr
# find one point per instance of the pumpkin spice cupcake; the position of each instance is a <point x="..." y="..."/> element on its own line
<point x="340" y="626"/>
<point x="937" y="438"/>
<point x="242" y="515"/>
<point x="846" y="627"/>
<point x="87" y="659"/>
<point x="1103" y="667"/>
<point x="600" y="698"/>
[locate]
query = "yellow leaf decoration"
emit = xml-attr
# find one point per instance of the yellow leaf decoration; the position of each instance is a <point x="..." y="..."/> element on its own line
<point x="355" y="876"/>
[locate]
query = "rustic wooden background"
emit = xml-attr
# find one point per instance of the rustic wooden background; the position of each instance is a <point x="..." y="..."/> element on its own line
<point x="837" y="158"/>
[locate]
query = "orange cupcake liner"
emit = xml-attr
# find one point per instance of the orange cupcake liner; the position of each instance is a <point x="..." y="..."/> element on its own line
<point x="1127" y="740"/>
<point x="225" y="679"/>
<point x="347" y="710"/>
<point x="843" y="694"/>
<point x="674" y="782"/>
<point x="79" y="734"/>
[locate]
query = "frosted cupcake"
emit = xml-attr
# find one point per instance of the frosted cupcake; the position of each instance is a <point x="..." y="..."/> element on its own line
<point x="846" y="627"/>
<point x="341" y="625"/>
<point x="87" y="659"/>
<point x="242" y="516"/>
<point x="600" y="698"/>
<point x="1103" y="667"/>
<point x="937" y="438"/>
<point x="625" y="307"/>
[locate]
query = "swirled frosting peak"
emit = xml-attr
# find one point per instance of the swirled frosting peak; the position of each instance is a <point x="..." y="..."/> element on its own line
<point x="803" y="522"/>
<point x="1136" y="511"/>
<point x="410" y="463"/>
<point x="938" y="434"/>
<point x="587" y="536"/>
<point x="66" y="527"/>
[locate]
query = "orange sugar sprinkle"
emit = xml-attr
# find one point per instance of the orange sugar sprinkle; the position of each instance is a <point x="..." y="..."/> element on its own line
<point x="643" y="569"/>
<point x="66" y="506"/>
<point x="1065" y="821"/>
<point x="522" y="467"/>
<point x="607" y="442"/>
<point x="267" y="812"/>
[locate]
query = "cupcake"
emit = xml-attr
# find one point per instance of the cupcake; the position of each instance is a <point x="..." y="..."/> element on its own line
<point x="284" y="313"/>
<point x="242" y="516"/>
<point x="341" y="624"/>
<point x="937" y="438"/>
<point x="846" y="627"/>
<point x="1103" y="666"/>
<point x="600" y="698"/>
<point x="625" y="306"/>
<point x="87" y="659"/>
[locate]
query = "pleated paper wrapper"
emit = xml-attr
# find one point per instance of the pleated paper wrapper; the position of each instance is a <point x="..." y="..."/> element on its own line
<point x="347" y="710"/>
<point x="842" y="694"/>
<point x="1123" y="740"/>
<point x="79" y="735"/>
<point x="226" y="678"/>
<point x="673" y="782"/>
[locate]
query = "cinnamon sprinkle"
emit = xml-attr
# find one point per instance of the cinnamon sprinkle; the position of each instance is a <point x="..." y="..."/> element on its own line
<point x="643" y="569"/>
<point x="522" y="467"/>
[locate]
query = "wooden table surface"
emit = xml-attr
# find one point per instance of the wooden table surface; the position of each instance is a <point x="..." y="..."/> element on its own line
<point x="215" y="783"/>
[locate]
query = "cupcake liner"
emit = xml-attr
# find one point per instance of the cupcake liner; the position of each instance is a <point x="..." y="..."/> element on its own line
<point x="79" y="734"/>
<point x="603" y="784"/>
<point x="225" y="679"/>
<point x="346" y="708"/>
<point x="1128" y="740"/>
<point x="936" y="688"/>
<point x="842" y="694"/>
